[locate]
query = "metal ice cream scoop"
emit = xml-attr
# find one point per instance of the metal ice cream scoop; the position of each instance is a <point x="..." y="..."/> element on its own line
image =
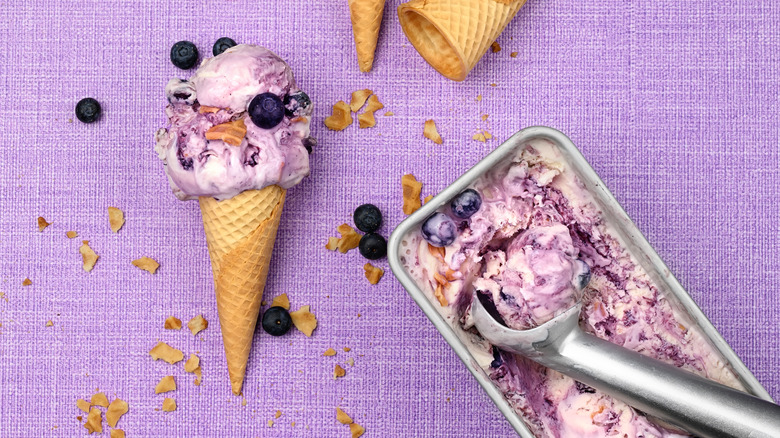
<point x="700" y="406"/>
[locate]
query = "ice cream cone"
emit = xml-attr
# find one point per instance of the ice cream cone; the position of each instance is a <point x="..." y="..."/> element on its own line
<point x="452" y="35"/>
<point x="366" y="16"/>
<point x="240" y="232"/>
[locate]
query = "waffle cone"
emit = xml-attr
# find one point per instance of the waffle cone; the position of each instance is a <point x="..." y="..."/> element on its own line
<point x="452" y="35"/>
<point x="240" y="232"/>
<point x="366" y="16"/>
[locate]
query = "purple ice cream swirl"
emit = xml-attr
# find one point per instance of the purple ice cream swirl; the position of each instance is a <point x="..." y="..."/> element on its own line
<point x="220" y="92"/>
<point x="533" y="278"/>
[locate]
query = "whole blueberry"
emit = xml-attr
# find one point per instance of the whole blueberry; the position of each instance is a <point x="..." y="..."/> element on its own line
<point x="221" y="45"/>
<point x="276" y="321"/>
<point x="295" y="103"/>
<point x="367" y="218"/>
<point x="439" y="230"/>
<point x="373" y="246"/>
<point x="88" y="110"/>
<point x="266" y="110"/>
<point x="184" y="55"/>
<point x="466" y="204"/>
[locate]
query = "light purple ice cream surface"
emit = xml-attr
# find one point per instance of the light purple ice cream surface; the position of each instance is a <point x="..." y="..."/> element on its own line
<point x="524" y="250"/>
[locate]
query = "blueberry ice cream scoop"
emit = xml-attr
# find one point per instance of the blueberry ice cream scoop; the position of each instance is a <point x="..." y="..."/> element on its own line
<point x="535" y="278"/>
<point x="239" y="123"/>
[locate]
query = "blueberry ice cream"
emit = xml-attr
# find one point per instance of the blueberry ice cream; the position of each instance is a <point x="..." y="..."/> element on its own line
<point x="533" y="244"/>
<point x="239" y="123"/>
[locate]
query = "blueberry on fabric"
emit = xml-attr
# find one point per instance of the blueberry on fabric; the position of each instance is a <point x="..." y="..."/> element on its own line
<point x="88" y="110"/>
<point x="367" y="218"/>
<point x="277" y="321"/>
<point x="439" y="230"/>
<point x="266" y="110"/>
<point x="373" y="246"/>
<point x="222" y="44"/>
<point x="466" y="204"/>
<point x="184" y="55"/>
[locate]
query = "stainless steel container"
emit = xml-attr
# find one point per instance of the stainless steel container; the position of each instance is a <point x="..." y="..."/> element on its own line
<point x="613" y="213"/>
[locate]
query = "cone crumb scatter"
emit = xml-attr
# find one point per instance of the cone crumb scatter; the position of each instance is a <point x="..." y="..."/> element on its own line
<point x="350" y="239"/>
<point x="513" y="54"/>
<point x="304" y="320"/>
<point x="172" y="323"/>
<point x="146" y="264"/>
<point x="411" y="193"/>
<point x="333" y="243"/>
<point x="329" y="352"/>
<point x="192" y="364"/>
<point x="339" y="371"/>
<point x="198" y="324"/>
<point x="116" y="218"/>
<point x="83" y="405"/>
<point x="49" y="323"/>
<point x="169" y="405"/>
<point x="358" y="99"/>
<point x="71" y="234"/>
<point x="342" y="417"/>
<point x="340" y="118"/>
<point x="88" y="256"/>
<point x="166" y="352"/>
<point x="495" y="47"/>
<point x="482" y="136"/>
<point x="356" y="430"/>
<point x="166" y="384"/>
<point x="94" y="423"/>
<point x="26" y="282"/>
<point x="373" y="274"/>
<point x="99" y="399"/>
<point x="389" y="113"/>
<point x="42" y="224"/>
<point x="117" y="433"/>
<point x="277" y="414"/>
<point x="367" y="118"/>
<point x="115" y="410"/>
<point x="431" y="132"/>
<point x="281" y="301"/>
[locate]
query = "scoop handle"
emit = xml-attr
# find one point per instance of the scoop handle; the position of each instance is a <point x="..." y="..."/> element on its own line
<point x="702" y="407"/>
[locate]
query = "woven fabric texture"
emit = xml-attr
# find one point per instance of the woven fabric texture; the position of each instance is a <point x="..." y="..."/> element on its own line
<point x="675" y="104"/>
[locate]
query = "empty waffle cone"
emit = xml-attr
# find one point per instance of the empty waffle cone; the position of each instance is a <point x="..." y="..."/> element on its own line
<point x="452" y="35"/>
<point x="240" y="232"/>
<point x="366" y="16"/>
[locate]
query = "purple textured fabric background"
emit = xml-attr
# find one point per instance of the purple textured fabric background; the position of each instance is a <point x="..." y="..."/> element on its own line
<point x="675" y="104"/>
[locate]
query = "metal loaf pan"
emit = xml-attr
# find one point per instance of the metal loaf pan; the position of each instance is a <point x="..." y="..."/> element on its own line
<point x="613" y="214"/>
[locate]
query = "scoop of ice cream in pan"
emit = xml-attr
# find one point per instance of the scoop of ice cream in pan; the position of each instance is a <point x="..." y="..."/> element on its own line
<point x="527" y="301"/>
